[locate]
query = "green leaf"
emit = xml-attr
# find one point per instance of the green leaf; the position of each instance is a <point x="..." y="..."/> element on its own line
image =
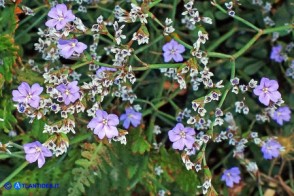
<point x="6" y="110"/>
<point x="140" y="146"/>
<point x="253" y="68"/>
<point x="37" y="130"/>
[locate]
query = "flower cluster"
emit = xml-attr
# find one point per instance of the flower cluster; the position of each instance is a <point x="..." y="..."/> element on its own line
<point x="93" y="83"/>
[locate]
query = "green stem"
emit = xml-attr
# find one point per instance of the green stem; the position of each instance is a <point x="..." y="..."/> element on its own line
<point x="223" y="38"/>
<point x="141" y="49"/>
<point x="157" y="66"/>
<point x="277" y="29"/>
<point x="7" y="155"/>
<point x="154" y="3"/>
<point x="181" y="42"/>
<point x="223" y="160"/>
<point x="214" y="3"/>
<point x="160" y="104"/>
<point x="14" y="173"/>
<point x="219" y="55"/>
<point x="155" y="19"/>
<point x="16" y="145"/>
<point x="173" y="13"/>
<point x="25" y="31"/>
<point x="80" y="138"/>
<point x="248" y="45"/>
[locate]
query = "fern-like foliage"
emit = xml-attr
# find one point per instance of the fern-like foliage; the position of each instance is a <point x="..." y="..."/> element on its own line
<point x="96" y="158"/>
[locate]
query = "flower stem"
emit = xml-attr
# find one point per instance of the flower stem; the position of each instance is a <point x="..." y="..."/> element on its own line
<point x="248" y="45"/>
<point x="16" y="145"/>
<point x="80" y="138"/>
<point x="214" y="3"/>
<point x="154" y="3"/>
<point x="277" y="29"/>
<point x="157" y="66"/>
<point x="14" y="173"/>
<point x="223" y="38"/>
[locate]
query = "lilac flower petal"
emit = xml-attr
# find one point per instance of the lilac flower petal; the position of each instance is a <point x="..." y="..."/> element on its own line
<point x="265" y="99"/>
<point x="36" y="89"/>
<point x="127" y="123"/>
<point x="51" y="23"/>
<point x="113" y="120"/>
<point x="273" y="85"/>
<point x="110" y="131"/>
<point x="101" y="133"/>
<point x="178" y="57"/>
<point x="24" y="88"/>
<point x="41" y="160"/>
<point x="173" y="136"/>
<point x="32" y="157"/>
<point x="167" y="57"/>
<point x="179" y="144"/>
<point x="80" y="47"/>
<point x="17" y="96"/>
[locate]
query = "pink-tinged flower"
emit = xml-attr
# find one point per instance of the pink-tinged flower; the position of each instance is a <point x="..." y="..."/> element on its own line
<point x="69" y="92"/>
<point x="36" y="151"/>
<point x="131" y="117"/>
<point x="60" y="16"/>
<point x="282" y="114"/>
<point x="28" y="95"/>
<point x="271" y="149"/>
<point x="182" y="136"/>
<point x="276" y="54"/>
<point x="104" y="124"/>
<point x="173" y="50"/>
<point x="267" y="91"/>
<point x="231" y="176"/>
<point x="69" y="47"/>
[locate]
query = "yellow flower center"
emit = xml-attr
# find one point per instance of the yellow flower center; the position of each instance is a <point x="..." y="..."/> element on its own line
<point x="265" y="90"/>
<point x="104" y="121"/>
<point x="38" y="149"/>
<point x="182" y="134"/>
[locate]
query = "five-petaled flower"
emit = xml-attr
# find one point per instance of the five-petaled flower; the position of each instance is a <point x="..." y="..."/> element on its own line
<point x="69" y="92"/>
<point x="36" y="151"/>
<point x="271" y="149"/>
<point x="69" y="47"/>
<point x="231" y="176"/>
<point x="182" y="136"/>
<point x="267" y="91"/>
<point x="276" y="54"/>
<point x="173" y="50"/>
<point x="104" y="124"/>
<point x="28" y="95"/>
<point x="282" y="114"/>
<point x="131" y="117"/>
<point x="60" y="16"/>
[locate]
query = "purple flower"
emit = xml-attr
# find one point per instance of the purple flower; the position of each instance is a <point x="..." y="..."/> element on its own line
<point x="70" y="92"/>
<point x="69" y="47"/>
<point x="60" y="16"/>
<point x="231" y="176"/>
<point x="36" y="151"/>
<point x="131" y="117"/>
<point x="282" y="114"/>
<point x="102" y="69"/>
<point x="28" y="95"/>
<point x="173" y="50"/>
<point x="267" y="91"/>
<point x="276" y="54"/>
<point x="182" y="136"/>
<point x="271" y="149"/>
<point x="104" y="124"/>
